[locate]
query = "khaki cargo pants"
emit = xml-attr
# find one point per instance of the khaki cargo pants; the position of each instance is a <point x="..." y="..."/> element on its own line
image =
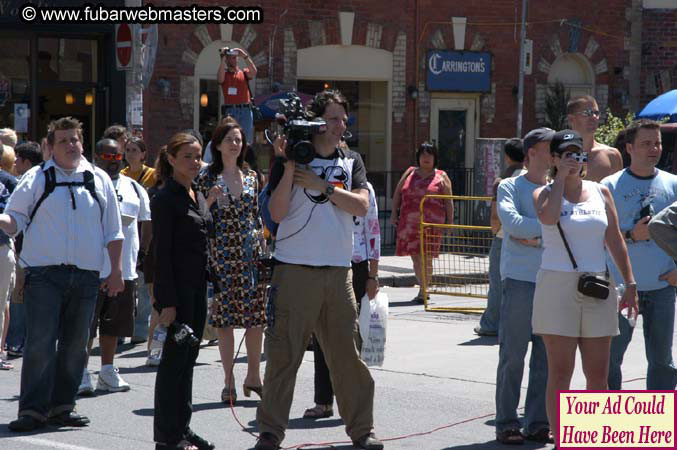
<point x="304" y="300"/>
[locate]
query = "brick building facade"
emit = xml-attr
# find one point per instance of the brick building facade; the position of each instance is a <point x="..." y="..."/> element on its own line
<point x="584" y="44"/>
<point x="659" y="50"/>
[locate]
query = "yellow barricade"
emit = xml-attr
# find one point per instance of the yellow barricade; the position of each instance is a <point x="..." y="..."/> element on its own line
<point x="455" y="257"/>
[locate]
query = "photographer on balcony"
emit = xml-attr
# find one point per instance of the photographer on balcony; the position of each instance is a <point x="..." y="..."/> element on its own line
<point x="314" y="205"/>
<point x="235" y="86"/>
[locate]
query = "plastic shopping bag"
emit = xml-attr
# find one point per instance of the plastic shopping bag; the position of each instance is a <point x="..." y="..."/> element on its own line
<point x="373" y="323"/>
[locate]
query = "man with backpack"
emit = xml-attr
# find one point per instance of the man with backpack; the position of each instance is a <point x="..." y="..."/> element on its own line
<point x="68" y="212"/>
<point x="114" y="315"/>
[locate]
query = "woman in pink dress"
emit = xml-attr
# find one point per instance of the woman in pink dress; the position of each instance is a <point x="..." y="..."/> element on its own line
<point x="414" y="184"/>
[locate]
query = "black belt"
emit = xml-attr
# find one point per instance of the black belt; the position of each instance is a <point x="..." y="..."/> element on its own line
<point x="241" y="105"/>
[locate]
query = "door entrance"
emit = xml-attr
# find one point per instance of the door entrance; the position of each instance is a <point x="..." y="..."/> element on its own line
<point x="453" y="130"/>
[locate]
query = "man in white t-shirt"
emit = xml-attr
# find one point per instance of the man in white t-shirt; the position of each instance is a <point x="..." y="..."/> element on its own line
<point x="314" y="204"/>
<point x="114" y="316"/>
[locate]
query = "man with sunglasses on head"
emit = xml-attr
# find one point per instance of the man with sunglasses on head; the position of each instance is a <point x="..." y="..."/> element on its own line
<point x="583" y="116"/>
<point x="114" y="314"/>
<point x="69" y="214"/>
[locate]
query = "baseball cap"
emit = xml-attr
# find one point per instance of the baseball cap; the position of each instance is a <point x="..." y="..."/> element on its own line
<point x="565" y="138"/>
<point x="537" y="135"/>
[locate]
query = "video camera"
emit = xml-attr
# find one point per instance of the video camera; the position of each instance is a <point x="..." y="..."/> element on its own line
<point x="298" y="128"/>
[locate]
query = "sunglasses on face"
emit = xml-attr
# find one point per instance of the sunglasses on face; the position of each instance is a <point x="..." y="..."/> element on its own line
<point x="589" y="113"/>
<point x="111" y="156"/>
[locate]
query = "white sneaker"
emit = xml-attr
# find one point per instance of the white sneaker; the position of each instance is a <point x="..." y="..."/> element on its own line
<point x="153" y="360"/>
<point x="86" y="387"/>
<point x="110" y="380"/>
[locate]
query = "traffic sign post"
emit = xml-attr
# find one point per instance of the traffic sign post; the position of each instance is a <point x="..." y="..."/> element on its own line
<point x="123" y="47"/>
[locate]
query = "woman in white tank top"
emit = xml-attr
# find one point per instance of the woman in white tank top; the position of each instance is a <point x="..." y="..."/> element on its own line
<point x="565" y="318"/>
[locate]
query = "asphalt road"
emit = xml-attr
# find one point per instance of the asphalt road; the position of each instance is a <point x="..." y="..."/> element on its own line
<point x="437" y="375"/>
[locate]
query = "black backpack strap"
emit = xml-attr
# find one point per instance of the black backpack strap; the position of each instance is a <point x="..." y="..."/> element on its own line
<point x="566" y="245"/>
<point x="50" y="184"/>
<point x="136" y="189"/>
<point x="90" y="185"/>
<point x="143" y="172"/>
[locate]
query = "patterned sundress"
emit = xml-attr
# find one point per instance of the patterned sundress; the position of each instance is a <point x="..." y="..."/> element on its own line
<point x="239" y="299"/>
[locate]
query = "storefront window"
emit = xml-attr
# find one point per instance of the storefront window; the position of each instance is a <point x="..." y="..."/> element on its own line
<point x="14" y="85"/>
<point x="367" y="119"/>
<point x="67" y="60"/>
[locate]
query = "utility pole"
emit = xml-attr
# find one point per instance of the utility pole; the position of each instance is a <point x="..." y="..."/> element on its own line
<point x="520" y="88"/>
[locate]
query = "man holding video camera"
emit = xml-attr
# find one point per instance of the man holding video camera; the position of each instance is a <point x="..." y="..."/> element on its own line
<point x="314" y="205"/>
<point x="235" y="86"/>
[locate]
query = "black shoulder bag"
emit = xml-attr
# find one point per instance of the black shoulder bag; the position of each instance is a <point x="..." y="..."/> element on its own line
<point x="590" y="285"/>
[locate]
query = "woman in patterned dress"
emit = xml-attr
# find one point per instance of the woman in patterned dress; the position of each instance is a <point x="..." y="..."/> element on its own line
<point x="235" y="248"/>
<point x="414" y="184"/>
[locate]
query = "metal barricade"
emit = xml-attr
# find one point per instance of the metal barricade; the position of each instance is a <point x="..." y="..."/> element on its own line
<point x="455" y="257"/>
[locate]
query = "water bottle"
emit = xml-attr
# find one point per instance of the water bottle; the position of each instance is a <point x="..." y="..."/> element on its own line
<point x="159" y="337"/>
<point x="222" y="200"/>
<point x="625" y="312"/>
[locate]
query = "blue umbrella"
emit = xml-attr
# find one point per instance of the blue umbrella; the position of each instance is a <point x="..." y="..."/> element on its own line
<point x="661" y="106"/>
<point x="269" y="103"/>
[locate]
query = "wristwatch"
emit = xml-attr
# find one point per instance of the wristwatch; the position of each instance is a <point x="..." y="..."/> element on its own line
<point x="373" y="278"/>
<point x="329" y="190"/>
<point x="628" y="236"/>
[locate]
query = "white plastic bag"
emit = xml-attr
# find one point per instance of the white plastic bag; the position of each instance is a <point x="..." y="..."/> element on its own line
<point x="373" y="324"/>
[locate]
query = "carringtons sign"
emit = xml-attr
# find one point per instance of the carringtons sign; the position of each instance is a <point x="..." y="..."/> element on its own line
<point x="458" y="71"/>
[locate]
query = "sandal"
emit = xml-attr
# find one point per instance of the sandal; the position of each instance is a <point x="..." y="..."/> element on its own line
<point x="510" y="437"/>
<point x="318" y="412"/>
<point x="5" y="365"/>
<point x="249" y="389"/>
<point x="544" y="436"/>
<point x="229" y="395"/>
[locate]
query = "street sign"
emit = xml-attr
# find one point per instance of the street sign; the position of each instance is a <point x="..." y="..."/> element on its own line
<point x="123" y="46"/>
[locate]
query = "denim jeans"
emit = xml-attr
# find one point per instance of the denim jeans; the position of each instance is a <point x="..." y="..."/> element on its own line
<point x="244" y="118"/>
<point x="60" y="302"/>
<point x="142" y="308"/>
<point x="514" y="335"/>
<point x="17" y="325"/>
<point x="492" y="315"/>
<point x="657" y="308"/>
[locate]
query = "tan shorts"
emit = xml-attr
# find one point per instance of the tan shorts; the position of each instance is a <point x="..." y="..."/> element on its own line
<point x="561" y="310"/>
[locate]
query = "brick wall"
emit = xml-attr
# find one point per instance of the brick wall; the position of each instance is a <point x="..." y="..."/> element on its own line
<point x="391" y="25"/>
<point x="659" y="53"/>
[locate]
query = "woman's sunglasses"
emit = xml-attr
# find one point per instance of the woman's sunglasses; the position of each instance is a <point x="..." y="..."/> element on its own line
<point x="111" y="156"/>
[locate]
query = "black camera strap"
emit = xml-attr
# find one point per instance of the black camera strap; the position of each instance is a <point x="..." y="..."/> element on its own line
<point x="571" y="255"/>
<point x="566" y="245"/>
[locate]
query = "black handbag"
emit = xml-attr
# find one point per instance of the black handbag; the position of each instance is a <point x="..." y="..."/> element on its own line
<point x="257" y="115"/>
<point x="591" y="285"/>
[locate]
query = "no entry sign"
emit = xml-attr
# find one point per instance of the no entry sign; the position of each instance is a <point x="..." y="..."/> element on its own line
<point x="123" y="46"/>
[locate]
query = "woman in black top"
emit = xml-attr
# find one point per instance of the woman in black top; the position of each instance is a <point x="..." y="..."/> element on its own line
<point x="180" y="220"/>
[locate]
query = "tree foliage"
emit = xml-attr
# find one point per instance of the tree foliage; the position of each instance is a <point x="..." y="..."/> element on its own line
<point x="607" y="132"/>
<point x="556" y="101"/>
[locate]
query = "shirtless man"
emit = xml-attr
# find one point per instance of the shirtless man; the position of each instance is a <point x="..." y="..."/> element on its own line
<point x="583" y="115"/>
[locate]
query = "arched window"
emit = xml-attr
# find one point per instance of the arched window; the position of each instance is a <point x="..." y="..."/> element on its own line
<point x="574" y="71"/>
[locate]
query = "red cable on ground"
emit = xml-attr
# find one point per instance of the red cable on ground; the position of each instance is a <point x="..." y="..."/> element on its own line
<point x="333" y="443"/>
